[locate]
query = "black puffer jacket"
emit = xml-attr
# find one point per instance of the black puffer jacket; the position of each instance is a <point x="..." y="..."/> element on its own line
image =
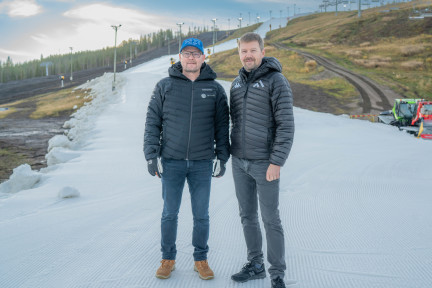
<point x="187" y="120"/>
<point x="262" y="117"/>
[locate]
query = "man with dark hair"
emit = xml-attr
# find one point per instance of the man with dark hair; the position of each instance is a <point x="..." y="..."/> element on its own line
<point x="187" y="126"/>
<point x="261" y="109"/>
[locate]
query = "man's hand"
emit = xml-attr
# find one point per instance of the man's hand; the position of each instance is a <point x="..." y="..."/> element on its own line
<point x="219" y="168"/>
<point x="155" y="167"/>
<point x="273" y="172"/>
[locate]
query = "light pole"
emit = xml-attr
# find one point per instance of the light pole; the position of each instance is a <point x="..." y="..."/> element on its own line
<point x="180" y="24"/>
<point x="115" y="53"/>
<point x="71" y="77"/>
<point x="240" y="19"/>
<point x="280" y="19"/>
<point x="130" y="48"/>
<point x="214" y="32"/>
<point x="168" y="41"/>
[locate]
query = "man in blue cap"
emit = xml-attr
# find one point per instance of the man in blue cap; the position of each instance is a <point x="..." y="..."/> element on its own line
<point x="187" y="138"/>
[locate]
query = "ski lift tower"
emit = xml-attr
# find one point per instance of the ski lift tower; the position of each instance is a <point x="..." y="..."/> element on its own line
<point x="46" y="65"/>
<point x="359" y="9"/>
<point x="325" y="4"/>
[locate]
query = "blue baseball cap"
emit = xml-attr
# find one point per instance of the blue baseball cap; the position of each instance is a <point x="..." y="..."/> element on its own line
<point x="194" y="43"/>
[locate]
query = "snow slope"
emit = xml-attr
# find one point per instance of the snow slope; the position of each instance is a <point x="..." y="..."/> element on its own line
<point x="355" y="204"/>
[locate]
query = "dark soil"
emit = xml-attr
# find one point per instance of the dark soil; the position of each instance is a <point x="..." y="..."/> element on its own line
<point x="26" y="141"/>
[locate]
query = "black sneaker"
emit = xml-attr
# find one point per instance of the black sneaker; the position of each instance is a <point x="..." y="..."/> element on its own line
<point x="250" y="271"/>
<point x="277" y="283"/>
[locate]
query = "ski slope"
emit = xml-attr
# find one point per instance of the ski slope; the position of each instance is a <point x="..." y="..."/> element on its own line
<point x="355" y="204"/>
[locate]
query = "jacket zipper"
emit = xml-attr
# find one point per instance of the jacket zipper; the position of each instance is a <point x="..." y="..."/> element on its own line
<point x="190" y="122"/>
<point x="244" y="122"/>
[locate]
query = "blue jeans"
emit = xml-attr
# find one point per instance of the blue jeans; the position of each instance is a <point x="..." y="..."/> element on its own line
<point x="198" y="175"/>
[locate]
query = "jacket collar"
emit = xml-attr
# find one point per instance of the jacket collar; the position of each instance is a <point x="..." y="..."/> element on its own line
<point x="206" y="73"/>
<point x="269" y="64"/>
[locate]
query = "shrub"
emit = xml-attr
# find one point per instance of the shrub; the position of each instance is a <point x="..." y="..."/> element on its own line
<point x="411" y="50"/>
<point x="353" y="53"/>
<point x="311" y="65"/>
<point x="371" y="63"/>
<point x="412" y="65"/>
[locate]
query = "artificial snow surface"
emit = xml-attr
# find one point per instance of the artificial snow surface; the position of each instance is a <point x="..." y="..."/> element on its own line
<point x="355" y="203"/>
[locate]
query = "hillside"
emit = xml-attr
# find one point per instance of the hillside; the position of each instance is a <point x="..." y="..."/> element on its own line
<point x="393" y="52"/>
<point x="384" y="44"/>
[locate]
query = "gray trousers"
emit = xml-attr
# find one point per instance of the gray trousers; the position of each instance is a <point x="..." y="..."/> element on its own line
<point x="252" y="188"/>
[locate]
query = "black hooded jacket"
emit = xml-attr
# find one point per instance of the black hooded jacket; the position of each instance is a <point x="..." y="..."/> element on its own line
<point x="262" y="117"/>
<point x="187" y="120"/>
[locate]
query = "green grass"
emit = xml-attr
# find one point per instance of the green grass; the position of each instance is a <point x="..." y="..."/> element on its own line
<point x="8" y="159"/>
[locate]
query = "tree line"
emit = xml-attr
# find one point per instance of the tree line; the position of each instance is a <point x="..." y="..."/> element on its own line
<point x="83" y="60"/>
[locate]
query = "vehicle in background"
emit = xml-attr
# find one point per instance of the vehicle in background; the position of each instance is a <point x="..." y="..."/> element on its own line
<point x="411" y="115"/>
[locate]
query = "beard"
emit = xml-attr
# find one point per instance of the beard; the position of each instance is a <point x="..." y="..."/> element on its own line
<point x="249" y="66"/>
<point x="191" y="70"/>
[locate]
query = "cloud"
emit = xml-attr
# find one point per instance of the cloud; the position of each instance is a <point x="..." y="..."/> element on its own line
<point x="4" y="53"/>
<point x="104" y="14"/>
<point x="20" y="8"/>
<point x="88" y="27"/>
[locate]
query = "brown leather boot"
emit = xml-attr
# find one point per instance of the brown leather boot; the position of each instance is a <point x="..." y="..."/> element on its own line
<point x="203" y="270"/>
<point x="165" y="269"/>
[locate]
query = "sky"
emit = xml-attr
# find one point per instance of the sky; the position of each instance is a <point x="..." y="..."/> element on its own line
<point x="31" y="28"/>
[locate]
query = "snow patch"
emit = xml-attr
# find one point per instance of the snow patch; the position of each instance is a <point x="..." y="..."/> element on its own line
<point x="59" y="155"/>
<point x="22" y="178"/>
<point x="82" y="121"/>
<point x="59" y="141"/>
<point x="68" y="192"/>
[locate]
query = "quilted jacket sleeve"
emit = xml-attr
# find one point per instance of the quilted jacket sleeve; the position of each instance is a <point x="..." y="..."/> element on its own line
<point x="153" y="125"/>
<point x="282" y="105"/>
<point x="222" y="126"/>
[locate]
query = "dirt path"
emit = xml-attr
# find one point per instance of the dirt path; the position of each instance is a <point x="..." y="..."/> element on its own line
<point x="375" y="98"/>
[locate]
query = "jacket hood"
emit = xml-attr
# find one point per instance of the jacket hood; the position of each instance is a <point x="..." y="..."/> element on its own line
<point x="206" y="73"/>
<point x="269" y="64"/>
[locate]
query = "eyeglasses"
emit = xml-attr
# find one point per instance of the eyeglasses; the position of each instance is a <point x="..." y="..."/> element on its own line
<point x="188" y="54"/>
